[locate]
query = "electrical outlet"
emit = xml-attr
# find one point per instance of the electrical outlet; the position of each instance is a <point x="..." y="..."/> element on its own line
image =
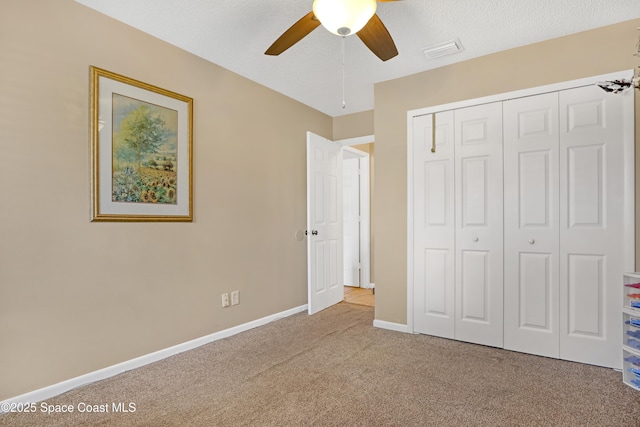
<point x="225" y="300"/>
<point x="235" y="297"/>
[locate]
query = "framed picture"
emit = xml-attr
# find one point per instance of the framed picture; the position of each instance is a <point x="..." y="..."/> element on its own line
<point x="141" y="151"/>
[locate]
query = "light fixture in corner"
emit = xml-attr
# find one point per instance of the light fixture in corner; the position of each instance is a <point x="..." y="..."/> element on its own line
<point x="342" y="17"/>
<point x="443" y="49"/>
<point x="635" y="81"/>
<point x="617" y="86"/>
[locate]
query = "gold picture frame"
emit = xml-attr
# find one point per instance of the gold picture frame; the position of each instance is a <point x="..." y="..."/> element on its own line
<point x="141" y="151"/>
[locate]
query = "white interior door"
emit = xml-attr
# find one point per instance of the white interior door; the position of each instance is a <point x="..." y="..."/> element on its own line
<point x="351" y="215"/>
<point x="324" y="223"/>
<point x="532" y="235"/>
<point x="433" y="226"/>
<point x="592" y="258"/>
<point x="479" y="219"/>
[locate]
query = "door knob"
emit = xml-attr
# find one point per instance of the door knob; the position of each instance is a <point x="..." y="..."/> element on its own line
<point x="314" y="232"/>
<point x="475" y="239"/>
<point x="531" y="241"/>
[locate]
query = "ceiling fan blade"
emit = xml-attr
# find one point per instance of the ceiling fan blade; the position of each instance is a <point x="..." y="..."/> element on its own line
<point x="294" y="34"/>
<point x="377" y="38"/>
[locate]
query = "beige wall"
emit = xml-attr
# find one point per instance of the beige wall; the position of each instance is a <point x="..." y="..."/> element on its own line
<point x="77" y="296"/>
<point x="353" y="125"/>
<point x="600" y="51"/>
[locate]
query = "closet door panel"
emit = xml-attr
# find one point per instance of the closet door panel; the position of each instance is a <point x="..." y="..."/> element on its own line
<point x="591" y="225"/>
<point x="475" y="191"/>
<point x="534" y="294"/>
<point x="585" y="182"/>
<point x="585" y="291"/>
<point x="436" y="296"/>
<point x="533" y="169"/>
<point x="474" y="286"/>
<point x="531" y="225"/>
<point x="479" y="217"/>
<point x="434" y="254"/>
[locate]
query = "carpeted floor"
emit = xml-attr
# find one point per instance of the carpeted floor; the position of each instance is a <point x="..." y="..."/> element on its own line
<point x="336" y="369"/>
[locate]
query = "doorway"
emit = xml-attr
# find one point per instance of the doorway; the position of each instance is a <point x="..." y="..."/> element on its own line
<point x="355" y="208"/>
<point x="358" y="286"/>
<point x="325" y="248"/>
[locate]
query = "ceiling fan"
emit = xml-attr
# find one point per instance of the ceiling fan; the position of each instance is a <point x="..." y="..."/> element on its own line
<point x="343" y="18"/>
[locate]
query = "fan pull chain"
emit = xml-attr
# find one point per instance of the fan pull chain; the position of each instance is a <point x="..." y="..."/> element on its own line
<point x="344" y="104"/>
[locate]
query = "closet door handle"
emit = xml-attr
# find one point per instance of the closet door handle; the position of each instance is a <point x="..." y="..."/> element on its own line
<point x="531" y="241"/>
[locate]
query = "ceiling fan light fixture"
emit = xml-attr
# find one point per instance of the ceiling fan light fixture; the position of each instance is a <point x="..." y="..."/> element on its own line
<point x="344" y="17"/>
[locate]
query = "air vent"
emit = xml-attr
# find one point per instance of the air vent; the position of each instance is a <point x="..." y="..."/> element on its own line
<point x="442" y="49"/>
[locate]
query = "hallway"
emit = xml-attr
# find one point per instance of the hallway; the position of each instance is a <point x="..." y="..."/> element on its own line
<point x="360" y="296"/>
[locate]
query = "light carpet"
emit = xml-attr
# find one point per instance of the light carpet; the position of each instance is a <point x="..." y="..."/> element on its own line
<point x="335" y="369"/>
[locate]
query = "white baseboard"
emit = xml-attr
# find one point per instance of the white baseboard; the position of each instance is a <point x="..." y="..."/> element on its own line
<point x="390" y="326"/>
<point x="110" y="371"/>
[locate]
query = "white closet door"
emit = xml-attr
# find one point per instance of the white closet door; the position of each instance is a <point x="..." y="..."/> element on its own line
<point x="433" y="226"/>
<point x="531" y="208"/>
<point x="591" y="225"/>
<point x="479" y="214"/>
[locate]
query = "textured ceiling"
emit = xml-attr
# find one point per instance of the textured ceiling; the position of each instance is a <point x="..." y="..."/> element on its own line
<point x="235" y="33"/>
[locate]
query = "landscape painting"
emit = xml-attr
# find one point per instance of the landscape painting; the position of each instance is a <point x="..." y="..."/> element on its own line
<point x="141" y="151"/>
<point x="145" y="152"/>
